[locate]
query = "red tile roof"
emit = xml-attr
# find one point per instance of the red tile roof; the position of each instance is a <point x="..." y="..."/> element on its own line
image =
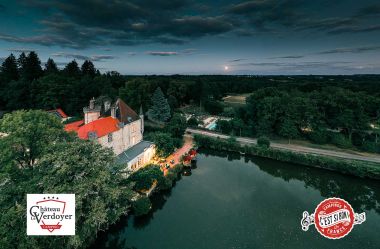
<point x="101" y="126"/>
<point x="62" y="113"/>
<point x="74" y="126"/>
<point x="59" y="112"/>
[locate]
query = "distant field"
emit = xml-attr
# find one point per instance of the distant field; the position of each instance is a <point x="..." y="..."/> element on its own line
<point x="236" y="99"/>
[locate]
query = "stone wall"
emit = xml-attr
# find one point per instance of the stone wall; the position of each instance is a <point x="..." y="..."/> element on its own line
<point x="123" y="138"/>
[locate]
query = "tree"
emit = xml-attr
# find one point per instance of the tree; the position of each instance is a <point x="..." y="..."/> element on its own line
<point x="82" y="167"/>
<point x="8" y="73"/>
<point x="88" y="68"/>
<point x="224" y="126"/>
<point x="17" y="95"/>
<point x="146" y="176"/>
<point x="137" y="92"/>
<point x="263" y="142"/>
<point x="72" y="69"/>
<point x="193" y="122"/>
<point x="160" y="110"/>
<point x="288" y="129"/>
<point x="31" y="67"/>
<point x="29" y="134"/>
<point x="141" y="206"/>
<point x="9" y="69"/>
<point x="213" y="107"/>
<point x="237" y="126"/>
<point x="51" y="67"/>
<point x="53" y="91"/>
<point x="177" y="125"/>
<point x="21" y="61"/>
<point x="165" y="143"/>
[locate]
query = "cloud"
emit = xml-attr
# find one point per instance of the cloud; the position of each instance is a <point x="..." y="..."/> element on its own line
<point x="83" y="57"/>
<point x="185" y="52"/>
<point x="189" y="51"/>
<point x="350" y="50"/>
<point x="124" y="23"/>
<point x="177" y="22"/>
<point x="161" y="53"/>
<point x="21" y="50"/>
<point x="354" y="29"/>
<point x="273" y="16"/>
<point x="197" y="26"/>
<point x="314" y="67"/>
<point x="132" y="53"/>
<point x="263" y="13"/>
<point x="237" y="60"/>
<point x="288" y="57"/>
<point x="371" y="10"/>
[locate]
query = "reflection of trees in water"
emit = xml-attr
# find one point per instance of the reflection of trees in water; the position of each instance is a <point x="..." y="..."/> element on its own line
<point x="158" y="202"/>
<point x="114" y="236"/>
<point x="229" y="155"/>
<point x="362" y="194"/>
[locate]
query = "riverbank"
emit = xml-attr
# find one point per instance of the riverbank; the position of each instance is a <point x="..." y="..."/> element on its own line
<point x="242" y="194"/>
<point x="374" y="158"/>
<point x="351" y="167"/>
<point x="149" y="180"/>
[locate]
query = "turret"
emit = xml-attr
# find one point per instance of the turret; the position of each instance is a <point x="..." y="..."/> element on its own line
<point x="92" y="112"/>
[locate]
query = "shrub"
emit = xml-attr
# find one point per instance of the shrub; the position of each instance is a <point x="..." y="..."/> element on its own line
<point x="193" y="122"/>
<point x="173" y="172"/>
<point x="319" y="137"/>
<point x="371" y="147"/>
<point x="145" y="177"/>
<point x="166" y="184"/>
<point x="141" y="206"/>
<point x="341" y="141"/>
<point x="213" y="107"/>
<point x="263" y="142"/>
<point x="224" y="126"/>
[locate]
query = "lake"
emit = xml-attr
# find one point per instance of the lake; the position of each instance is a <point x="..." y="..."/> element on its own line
<point x="247" y="202"/>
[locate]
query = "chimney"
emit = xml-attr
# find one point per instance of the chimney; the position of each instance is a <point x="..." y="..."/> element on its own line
<point x="92" y="103"/>
<point x="113" y="112"/>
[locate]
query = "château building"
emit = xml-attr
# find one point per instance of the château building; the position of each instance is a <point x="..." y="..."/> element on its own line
<point x="118" y="127"/>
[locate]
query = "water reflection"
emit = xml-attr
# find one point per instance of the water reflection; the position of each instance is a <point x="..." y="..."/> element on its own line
<point x="205" y="192"/>
<point x="363" y="195"/>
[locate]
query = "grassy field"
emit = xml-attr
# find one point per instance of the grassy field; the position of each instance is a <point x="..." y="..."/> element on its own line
<point x="236" y="99"/>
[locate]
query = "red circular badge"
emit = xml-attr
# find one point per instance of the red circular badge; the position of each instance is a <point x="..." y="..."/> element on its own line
<point x="334" y="218"/>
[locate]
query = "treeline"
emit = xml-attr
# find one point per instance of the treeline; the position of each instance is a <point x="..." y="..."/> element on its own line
<point x="327" y="115"/>
<point x="25" y="84"/>
<point x="351" y="167"/>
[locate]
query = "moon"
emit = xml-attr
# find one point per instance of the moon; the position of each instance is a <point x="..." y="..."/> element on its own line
<point x="225" y="68"/>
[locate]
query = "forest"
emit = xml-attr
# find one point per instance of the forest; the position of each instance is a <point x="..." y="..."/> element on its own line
<point x="342" y="109"/>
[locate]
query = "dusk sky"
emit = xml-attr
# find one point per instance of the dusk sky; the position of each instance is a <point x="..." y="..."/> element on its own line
<point x="198" y="37"/>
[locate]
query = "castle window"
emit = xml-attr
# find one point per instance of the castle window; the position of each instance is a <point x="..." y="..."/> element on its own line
<point x="110" y="137"/>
